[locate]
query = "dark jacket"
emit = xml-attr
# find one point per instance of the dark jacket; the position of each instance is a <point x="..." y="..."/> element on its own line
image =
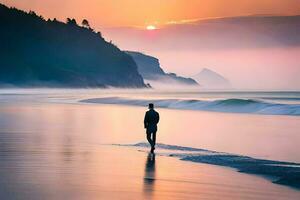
<point x="151" y="120"/>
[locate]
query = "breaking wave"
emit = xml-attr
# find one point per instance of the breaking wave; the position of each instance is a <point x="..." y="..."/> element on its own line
<point x="224" y="105"/>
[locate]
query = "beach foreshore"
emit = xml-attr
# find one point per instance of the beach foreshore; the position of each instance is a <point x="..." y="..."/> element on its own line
<point x="53" y="149"/>
<point x="110" y="172"/>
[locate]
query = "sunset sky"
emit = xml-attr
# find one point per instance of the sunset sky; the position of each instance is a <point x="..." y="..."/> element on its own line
<point x="125" y="22"/>
<point x="103" y="13"/>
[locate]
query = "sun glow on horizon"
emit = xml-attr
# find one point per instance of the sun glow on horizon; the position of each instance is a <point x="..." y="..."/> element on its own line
<point x="151" y="27"/>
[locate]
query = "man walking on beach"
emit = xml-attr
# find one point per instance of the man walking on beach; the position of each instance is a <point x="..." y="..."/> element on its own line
<point x="150" y="122"/>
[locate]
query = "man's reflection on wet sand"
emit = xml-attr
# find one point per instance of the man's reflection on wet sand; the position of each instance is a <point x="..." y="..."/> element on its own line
<point x="149" y="177"/>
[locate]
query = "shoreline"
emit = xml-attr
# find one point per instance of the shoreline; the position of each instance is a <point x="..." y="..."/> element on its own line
<point x="55" y="150"/>
<point x="278" y="172"/>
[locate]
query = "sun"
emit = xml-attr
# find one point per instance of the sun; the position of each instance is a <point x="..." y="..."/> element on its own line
<point x="150" y="27"/>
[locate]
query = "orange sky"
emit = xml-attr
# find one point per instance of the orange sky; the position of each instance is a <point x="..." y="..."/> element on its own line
<point x="103" y="13"/>
<point x="253" y="68"/>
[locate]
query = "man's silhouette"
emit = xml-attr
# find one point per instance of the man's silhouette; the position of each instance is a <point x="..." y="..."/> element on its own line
<point x="150" y="122"/>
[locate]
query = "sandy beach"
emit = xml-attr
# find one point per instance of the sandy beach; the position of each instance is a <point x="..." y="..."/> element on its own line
<point x="63" y="150"/>
<point x="118" y="173"/>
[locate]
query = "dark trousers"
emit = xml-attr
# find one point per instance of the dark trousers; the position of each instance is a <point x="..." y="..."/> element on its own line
<point x="152" y="140"/>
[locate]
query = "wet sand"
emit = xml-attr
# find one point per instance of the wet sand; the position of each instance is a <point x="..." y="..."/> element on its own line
<point x="124" y="173"/>
<point x="57" y="151"/>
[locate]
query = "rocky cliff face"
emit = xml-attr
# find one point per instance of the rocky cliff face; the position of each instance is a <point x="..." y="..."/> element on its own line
<point x="36" y="52"/>
<point x="148" y="66"/>
<point x="150" y="69"/>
